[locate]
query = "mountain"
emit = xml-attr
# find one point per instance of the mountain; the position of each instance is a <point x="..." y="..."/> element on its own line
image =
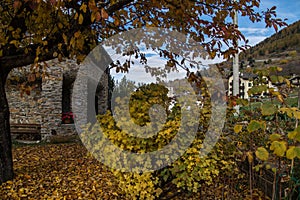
<point x="282" y="49"/>
<point x="288" y="39"/>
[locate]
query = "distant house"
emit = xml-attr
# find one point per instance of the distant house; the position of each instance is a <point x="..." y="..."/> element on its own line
<point x="246" y="82"/>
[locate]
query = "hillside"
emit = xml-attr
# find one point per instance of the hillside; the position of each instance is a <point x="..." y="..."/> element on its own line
<point x="281" y="49"/>
<point x="288" y="39"/>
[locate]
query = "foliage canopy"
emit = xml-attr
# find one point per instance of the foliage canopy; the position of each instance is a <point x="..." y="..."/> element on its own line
<point x="37" y="30"/>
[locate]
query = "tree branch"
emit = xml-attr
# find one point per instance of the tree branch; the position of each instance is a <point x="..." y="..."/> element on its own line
<point x="7" y="63"/>
<point x="117" y="6"/>
<point x="19" y="58"/>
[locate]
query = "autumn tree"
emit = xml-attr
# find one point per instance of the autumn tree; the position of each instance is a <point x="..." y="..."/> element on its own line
<point x="34" y="31"/>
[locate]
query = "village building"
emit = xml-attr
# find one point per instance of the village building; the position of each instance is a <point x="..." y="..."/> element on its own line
<point x="246" y="82"/>
<point x="49" y="101"/>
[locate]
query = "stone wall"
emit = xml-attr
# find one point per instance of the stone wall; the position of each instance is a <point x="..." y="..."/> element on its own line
<point x="51" y="97"/>
<point x="24" y="108"/>
<point x="45" y="104"/>
<point x="101" y="92"/>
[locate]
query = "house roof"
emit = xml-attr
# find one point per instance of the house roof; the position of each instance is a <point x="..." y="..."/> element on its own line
<point x="245" y="75"/>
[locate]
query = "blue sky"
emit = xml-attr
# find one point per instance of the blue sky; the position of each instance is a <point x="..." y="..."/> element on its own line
<point x="257" y="32"/>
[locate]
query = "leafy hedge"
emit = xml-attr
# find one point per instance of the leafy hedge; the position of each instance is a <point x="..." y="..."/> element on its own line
<point x="188" y="173"/>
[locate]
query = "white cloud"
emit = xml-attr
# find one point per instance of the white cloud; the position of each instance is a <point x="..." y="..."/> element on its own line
<point x="251" y="30"/>
<point x="253" y="40"/>
<point x="255" y="34"/>
<point x="138" y="74"/>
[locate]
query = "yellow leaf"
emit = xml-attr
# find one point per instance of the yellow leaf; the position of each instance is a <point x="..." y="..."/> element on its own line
<point x="275" y="137"/>
<point x="295" y="134"/>
<point x="14" y="42"/>
<point x="72" y="42"/>
<point x="80" y="20"/>
<point x="288" y="111"/>
<point x="92" y="5"/>
<point x="60" y="25"/>
<point x="77" y="34"/>
<point x="38" y="51"/>
<point x="59" y="46"/>
<point x="65" y="38"/>
<point x="238" y="128"/>
<point x="239" y="144"/>
<point x="262" y="153"/>
<point x="297" y="114"/>
<point x="279" y="148"/>
<point x="250" y="157"/>
<point x="93" y="16"/>
<point x="290" y="153"/>
<point x="280" y="98"/>
<point x="98" y="16"/>
<point x="83" y="7"/>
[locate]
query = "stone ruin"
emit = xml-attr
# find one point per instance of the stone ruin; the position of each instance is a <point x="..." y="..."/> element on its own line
<point x="49" y="98"/>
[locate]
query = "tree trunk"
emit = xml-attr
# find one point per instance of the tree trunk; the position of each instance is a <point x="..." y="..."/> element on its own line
<point x="6" y="163"/>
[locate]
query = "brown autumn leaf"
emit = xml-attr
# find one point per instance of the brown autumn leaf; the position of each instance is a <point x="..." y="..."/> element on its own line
<point x="97" y="16"/>
<point x="59" y="171"/>
<point x="104" y="14"/>
<point x="67" y="171"/>
<point x="17" y="4"/>
<point x="116" y="21"/>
